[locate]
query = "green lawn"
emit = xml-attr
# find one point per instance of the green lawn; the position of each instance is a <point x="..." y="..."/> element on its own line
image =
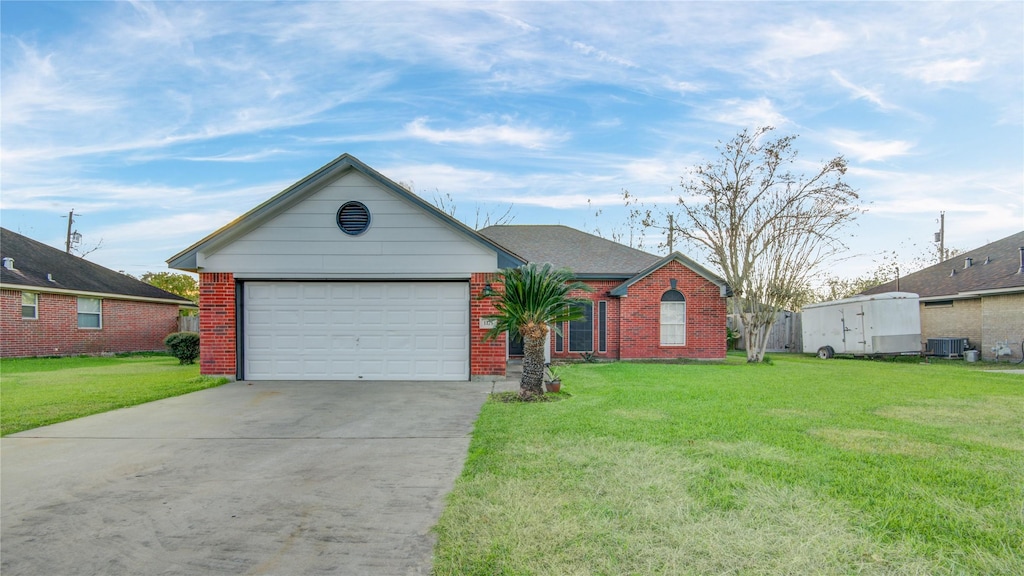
<point x="39" y="391"/>
<point x="799" y="467"/>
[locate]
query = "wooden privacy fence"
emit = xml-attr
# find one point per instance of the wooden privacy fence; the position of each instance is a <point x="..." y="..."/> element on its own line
<point x="188" y="323"/>
<point x="786" y="334"/>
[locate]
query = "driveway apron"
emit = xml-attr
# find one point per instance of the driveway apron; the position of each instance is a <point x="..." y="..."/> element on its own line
<point x="247" y="478"/>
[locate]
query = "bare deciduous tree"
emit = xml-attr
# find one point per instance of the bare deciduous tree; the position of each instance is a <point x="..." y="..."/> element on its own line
<point x="765" y="228"/>
<point x="638" y="222"/>
<point x="447" y="205"/>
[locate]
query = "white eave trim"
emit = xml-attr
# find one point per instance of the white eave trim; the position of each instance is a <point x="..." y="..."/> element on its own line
<point x="104" y="295"/>
<point x="975" y="294"/>
<point x="993" y="292"/>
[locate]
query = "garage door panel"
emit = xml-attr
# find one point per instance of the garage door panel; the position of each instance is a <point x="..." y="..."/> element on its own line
<point x="315" y="346"/>
<point x="397" y="317"/>
<point x="342" y="317"/>
<point x="315" y="316"/>
<point x="315" y="368"/>
<point x="260" y="318"/>
<point x="454" y="343"/>
<point x="343" y="367"/>
<point x="356" y="330"/>
<point x="343" y="291"/>
<point x="371" y="292"/>
<point x="455" y="317"/>
<point x="342" y="344"/>
<point x="370" y="317"/>
<point x="282" y="292"/>
<point x="314" y="291"/>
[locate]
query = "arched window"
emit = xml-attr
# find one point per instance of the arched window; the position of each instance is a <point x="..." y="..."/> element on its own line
<point x="673" y="319"/>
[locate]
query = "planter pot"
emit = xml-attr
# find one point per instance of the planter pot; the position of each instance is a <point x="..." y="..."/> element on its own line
<point x="554" y="386"/>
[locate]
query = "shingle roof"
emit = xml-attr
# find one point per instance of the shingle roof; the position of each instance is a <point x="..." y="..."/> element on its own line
<point x="34" y="261"/>
<point x="995" y="266"/>
<point x="585" y="254"/>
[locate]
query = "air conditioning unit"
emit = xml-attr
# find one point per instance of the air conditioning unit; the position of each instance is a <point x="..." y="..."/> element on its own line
<point x="946" y="347"/>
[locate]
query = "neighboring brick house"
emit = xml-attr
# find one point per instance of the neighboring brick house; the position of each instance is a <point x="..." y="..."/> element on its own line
<point x="346" y="275"/>
<point x="57" y="304"/>
<point x="978" y="295"/>
<point x="643" y="306"/>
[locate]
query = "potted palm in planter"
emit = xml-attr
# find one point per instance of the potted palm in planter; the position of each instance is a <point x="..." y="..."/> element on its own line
<point x="554" y="379"/>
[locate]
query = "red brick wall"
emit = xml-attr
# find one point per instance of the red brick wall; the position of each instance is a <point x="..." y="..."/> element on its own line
<point x="600" y="293"/>
<point x="485" y="358"/>
<point x="641" y="317"/>
<point x="217" y="323"/>
<point x="128" y="326"/>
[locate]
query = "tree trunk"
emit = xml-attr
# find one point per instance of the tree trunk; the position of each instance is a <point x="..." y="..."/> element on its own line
<point x="753" y="337"/>
<point x="532" y="383"/>
<point x="757" y="334"/>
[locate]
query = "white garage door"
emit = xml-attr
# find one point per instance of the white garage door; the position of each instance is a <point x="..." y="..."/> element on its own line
<point x="356" y="330"/>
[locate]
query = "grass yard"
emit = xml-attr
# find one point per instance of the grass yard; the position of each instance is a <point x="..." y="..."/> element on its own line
<point x="800" y="467"/>
<point x="39" y="391"/>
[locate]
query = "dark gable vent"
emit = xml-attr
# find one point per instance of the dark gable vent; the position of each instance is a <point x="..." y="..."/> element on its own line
<point x="353" y="218"/>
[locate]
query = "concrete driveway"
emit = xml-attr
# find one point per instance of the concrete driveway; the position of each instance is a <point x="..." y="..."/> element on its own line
<point x="264" y="478"/>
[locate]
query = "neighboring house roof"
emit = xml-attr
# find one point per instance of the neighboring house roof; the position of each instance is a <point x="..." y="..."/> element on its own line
<point x="995" y="268"/>
<point x="188" y="258"/>
<point x="585" y="254"/>
<point x="47" y="269"/>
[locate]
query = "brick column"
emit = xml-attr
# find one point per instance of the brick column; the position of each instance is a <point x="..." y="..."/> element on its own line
<point x="487" y="360"/>
<point x="217" y="324"/>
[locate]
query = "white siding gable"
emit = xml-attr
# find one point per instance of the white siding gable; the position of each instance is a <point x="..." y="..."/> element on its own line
<point x="304" y="241"/>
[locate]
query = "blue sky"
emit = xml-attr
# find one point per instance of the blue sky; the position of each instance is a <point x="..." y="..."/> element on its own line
<point x="160" y="122"/>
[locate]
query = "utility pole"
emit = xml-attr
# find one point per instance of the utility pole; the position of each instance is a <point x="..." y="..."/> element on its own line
<point x="940" y="236"/>
<point x="71" y="220"/>
<point x="72" y="237"/>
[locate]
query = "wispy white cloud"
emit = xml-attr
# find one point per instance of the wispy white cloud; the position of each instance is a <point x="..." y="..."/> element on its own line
<point x="587" y="50"/>
<point x="948" y="71"/>
<point x="683" y="88"/>
<point x="803" y="39"/>
<point x="862" y="93"/>
<point x="240" y="157"/>
<point x="748" y="113"/>
<point x="862" y="149"/>
<point x="976" y="201"/>
<point x="525" y="137"/>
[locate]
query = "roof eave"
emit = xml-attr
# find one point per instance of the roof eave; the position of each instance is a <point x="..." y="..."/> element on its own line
<point x="91" y="294"/>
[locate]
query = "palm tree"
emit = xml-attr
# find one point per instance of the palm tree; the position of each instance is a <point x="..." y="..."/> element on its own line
<point x="535" y="297"/>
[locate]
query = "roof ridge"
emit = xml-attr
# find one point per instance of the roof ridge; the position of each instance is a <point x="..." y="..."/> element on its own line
<point x="572" y="229"/>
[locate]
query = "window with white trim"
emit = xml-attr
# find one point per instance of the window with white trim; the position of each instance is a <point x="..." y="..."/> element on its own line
<point x="673" y="319"/>
<point x="90" y="312"/>
<point x="29" y="305"/>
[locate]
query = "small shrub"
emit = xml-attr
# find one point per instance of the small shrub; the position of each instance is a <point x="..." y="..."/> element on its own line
<point x="731" y="337"/>
<point x="184" y="346"/>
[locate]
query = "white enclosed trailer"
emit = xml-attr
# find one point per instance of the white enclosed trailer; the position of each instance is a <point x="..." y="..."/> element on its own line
<point x="879" y="324"/>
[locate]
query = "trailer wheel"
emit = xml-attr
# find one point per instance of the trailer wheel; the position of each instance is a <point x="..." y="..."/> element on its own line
<point x="826" y="352"/>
